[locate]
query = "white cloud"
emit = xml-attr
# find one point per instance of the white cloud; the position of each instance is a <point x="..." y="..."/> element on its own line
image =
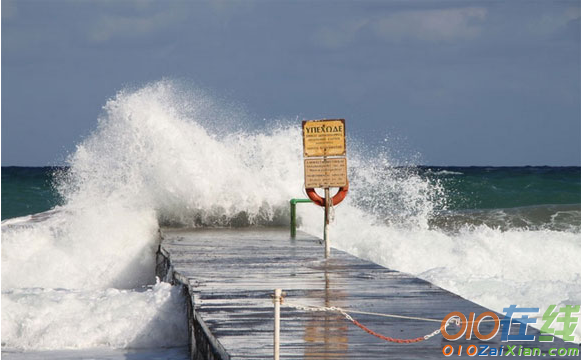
<point x="553" y="21"/>
<point x="425" y="25"/>
<point x="340" y="35"/>
<point x="9" y="9"/>
<point x="572" y="13"/>
<point x="432" y="25"/>
<point x="134" y="26"/>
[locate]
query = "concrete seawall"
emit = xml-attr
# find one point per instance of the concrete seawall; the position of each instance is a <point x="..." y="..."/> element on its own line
<point x="228" y="276"/>
<point x="202" y="343"/>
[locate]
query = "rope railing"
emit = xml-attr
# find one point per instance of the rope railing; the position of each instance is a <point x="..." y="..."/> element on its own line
<point x="456" y="319"/>
<point x="348" y="317"/>
<point x="278" y="300"/>
<point x="335" y="308"/>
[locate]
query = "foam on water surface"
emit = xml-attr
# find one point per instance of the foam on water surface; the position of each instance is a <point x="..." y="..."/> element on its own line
<point x="49" y="319"/>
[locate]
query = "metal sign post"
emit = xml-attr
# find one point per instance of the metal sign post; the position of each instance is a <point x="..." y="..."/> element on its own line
<point x="324" y="152"/>
<point x="326" y="225"/>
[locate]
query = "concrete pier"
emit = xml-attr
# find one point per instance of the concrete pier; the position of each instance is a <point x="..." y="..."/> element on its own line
<point x="229" y="275"/>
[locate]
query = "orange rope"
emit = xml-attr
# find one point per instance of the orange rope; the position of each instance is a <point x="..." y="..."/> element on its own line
<point x="370" y="331"/>
<point x="388" y="338"/>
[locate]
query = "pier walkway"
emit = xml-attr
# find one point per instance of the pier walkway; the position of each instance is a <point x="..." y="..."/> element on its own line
<point x="230" y="274"/>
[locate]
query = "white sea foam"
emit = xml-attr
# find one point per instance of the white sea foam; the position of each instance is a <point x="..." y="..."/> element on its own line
<point x="48" y="319"/>
<point x="447" y="172"/>
<point x="161" y="154"/>
<point x="92" y="247"/>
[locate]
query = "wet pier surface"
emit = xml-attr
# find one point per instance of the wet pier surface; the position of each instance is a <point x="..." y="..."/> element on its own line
<point x="230" y="274"/>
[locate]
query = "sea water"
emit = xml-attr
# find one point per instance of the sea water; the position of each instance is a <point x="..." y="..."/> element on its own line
<point x="78" y="242"/>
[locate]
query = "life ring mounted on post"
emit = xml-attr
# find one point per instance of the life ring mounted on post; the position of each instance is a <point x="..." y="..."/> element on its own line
<point x="336" y="199"/>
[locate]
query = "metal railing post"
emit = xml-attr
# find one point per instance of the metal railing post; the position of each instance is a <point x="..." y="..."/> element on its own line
<point x="293" y="221"/>
<point x="293" y="212"/>
<point x="277" y="301"/>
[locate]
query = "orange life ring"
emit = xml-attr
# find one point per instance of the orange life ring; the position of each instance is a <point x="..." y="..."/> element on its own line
<point x="336" y="199"/>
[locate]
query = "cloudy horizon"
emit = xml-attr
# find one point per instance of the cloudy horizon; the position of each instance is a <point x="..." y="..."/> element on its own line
<point x="459" y="82"/>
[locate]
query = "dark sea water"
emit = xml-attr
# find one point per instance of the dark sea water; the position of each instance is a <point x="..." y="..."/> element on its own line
<point x="504" y="197"/>
<point x="507" y="187"/>
<point x="27" y="190"/>
<point x="508" y="197"/>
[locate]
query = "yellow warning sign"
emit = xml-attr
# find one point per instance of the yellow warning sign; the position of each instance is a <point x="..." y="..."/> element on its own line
<point x="324" y="173"/>
<point x="324" y="138"/>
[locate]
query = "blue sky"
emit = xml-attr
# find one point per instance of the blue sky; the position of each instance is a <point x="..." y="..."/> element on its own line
<point x="460" y="82"/>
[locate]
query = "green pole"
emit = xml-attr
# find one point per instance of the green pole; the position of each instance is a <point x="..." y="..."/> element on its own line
<point x="293" y="222"/>
<point x="293" y="213"/>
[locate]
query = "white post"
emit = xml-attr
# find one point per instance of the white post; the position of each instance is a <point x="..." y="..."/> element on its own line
<point x="277" y="302"/>
<point x="326" y="225"/>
